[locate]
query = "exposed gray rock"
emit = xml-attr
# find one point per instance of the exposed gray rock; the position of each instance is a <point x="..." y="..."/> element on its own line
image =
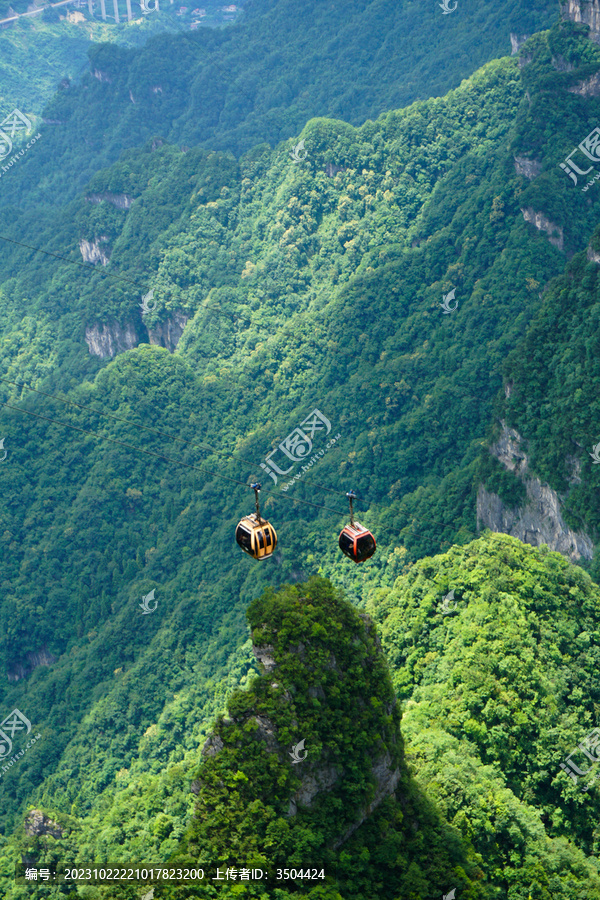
<point x="554" y="232"/>
<point x="36" y="824"/>
<point x="592" y="255"/>
<point x="212" y="745"/>
<point x="516" y="41"/>
<point x="539" y="521"/>
<point x="527" y="167"/>
<point x="167" y="334"/>
<point x="584" y="11"/>
<point x="386" y="782"/>
<point x="588" y="88"/>
<point x="265" y="656"/>
<point x="314" y="782"/>
<point x="40" y="658"/>
<point x="195" y="786"/>
<point x="561" y="64"/>
<point x="92" y="252"/>
<point x="110" y="339"/>
<point x="331" y="170"/>
<point x="121" y="201"/>
<point x="102" y="76"/>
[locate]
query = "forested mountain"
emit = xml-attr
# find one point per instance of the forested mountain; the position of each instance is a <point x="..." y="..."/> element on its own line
<point x="410" y="276"/>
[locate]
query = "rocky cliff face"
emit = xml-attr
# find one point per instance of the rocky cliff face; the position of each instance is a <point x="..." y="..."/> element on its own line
<point x="527" y="167"/>
<point x="167" y="334"/>
<point x="585" y="11"/>
<point x="106" y="340"/>
<point x="121" y="201"/>
<point x="539" y="521"/>
<point x="554" y="232"/>
<point x="111" y="338"/>
<point x="92" y="252"/>
<point x="41" y="658"/>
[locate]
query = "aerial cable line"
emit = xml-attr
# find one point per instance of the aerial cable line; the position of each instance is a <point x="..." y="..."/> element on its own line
<point x="167" y="458"/>
<point x="166" y="434"/>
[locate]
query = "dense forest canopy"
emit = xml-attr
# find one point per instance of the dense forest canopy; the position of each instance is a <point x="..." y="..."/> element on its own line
<point x="346" y="222"/>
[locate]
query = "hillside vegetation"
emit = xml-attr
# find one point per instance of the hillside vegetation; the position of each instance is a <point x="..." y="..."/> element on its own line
<point x="310" y="284"/>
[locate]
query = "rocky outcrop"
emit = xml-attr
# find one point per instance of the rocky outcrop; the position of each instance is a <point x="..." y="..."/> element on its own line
<point x="37" y="824"/>
<point x="92" y="252"/>
<point x="386" y="781"/>
<point x="516" y="41"/>
<point x="592" y="255"/>
<point x="331" y="170"/>
<point x="102" y="76"/>
<point x="121" y="201"/>
<point x="265" y="656"/>
<point x="40" y="658"/>
<point x="539" y="521"/>
<point x="167" y="334"/>
<point x="109" y="339"/>
<point x="585" y="11"/>
<point x="530" y="168"/>
<point x="542" y="223"/>
<point x="588" y="88"/>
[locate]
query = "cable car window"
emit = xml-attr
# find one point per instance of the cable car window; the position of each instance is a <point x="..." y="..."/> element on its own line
<point x="365" y="547"/>
<point x="244" y="539"/>
<point x="261" y="540"/>
<point x="346" y="543"/>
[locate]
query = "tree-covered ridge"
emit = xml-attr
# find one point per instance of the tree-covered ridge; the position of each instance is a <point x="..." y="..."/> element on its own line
<point x="261" y="79"/>
<point x="496" y="693"/>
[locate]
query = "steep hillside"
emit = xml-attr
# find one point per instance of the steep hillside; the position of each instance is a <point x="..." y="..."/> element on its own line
<point x="260" y="80"/>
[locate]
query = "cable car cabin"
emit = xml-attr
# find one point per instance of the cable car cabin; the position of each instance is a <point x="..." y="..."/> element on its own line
<point x="357" y="543"/>
<point x="256" y="537"/>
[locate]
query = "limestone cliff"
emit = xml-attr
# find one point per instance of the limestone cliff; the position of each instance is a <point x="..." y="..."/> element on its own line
<point x="539" y="521"/>
<point x="542" y="223"/>
<point x="586" y="12"/>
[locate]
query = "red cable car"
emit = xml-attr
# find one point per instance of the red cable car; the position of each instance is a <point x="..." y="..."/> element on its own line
<point x="356" y="542"/>
<point x="256" y="536"/>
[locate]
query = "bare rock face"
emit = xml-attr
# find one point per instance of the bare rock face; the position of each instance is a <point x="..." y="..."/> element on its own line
<point x="102" y="76"/>
<point x="211" y="747"/>
<point x="588" y="88"/>
<point x="40" y="658"/>
<point x="36" y="824"/>
<point x="527" y="167"/>
<point x="167" y="334"/>
<point x="584" y="11"/>
<point x="386" y="782"/>
<point x="539" y="521"/>
<point x="516" y="41"/>
<point x="265" y="656"/>
<point x="92" y="252"/>
<point x="592" y="255"/>
<point x="121" y="201"/>
<point x="109" y="339"/>
<point x="554" y="232"/>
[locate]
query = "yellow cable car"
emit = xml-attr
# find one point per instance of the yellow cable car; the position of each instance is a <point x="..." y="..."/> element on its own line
<point x="356" y="542"/>
<point x="256" y="536"/>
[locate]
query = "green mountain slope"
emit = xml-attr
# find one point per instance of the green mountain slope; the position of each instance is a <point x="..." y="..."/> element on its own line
<point x="260" y="80"/>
